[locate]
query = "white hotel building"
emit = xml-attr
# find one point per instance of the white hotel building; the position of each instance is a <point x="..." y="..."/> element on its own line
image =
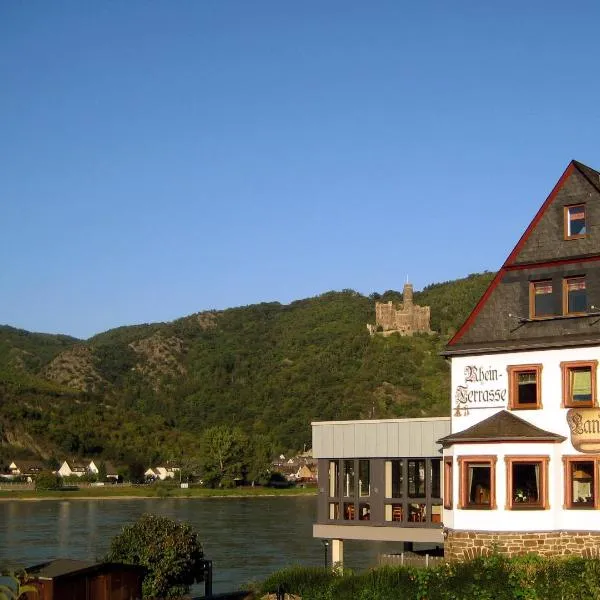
<point x="515" y="466"/>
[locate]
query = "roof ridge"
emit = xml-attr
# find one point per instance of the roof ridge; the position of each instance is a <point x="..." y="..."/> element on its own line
<point x="585" y="171"/>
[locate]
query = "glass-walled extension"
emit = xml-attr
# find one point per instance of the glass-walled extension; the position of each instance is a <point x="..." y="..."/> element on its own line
<point x="380" y="480"/>
<point x="396" y="492"/>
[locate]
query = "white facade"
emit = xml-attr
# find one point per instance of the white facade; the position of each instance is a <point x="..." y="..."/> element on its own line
<point x="480" y="389"/>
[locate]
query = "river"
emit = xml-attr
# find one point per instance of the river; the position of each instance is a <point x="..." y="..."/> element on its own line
<point x="247" y="538"/>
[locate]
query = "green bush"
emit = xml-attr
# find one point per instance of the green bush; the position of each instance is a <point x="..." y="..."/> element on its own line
<point x="169" y="550"/>
<point x="495" y="577"/>
<point x="47" y="481"/>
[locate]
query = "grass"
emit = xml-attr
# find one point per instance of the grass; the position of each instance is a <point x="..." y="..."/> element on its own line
<point x="150" y="491"/>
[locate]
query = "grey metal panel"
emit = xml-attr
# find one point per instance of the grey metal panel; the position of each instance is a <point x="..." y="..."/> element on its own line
<point x="392" y="439"/>
<point x="360" y="431"/>
<point x="441" y="429"/>
<point x="348" y="445"/>
<point x="356" y="439"/>
<point x="415" y="440"/>
<point x="402" y="431"/>
<point x="381" y="441"/>
<point x="428" y="445"/>
<point x="371" y="439"/>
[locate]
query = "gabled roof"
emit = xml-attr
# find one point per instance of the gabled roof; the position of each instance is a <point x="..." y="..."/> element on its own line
<point x="62" y="567"/>
<point x="58" y="567"/>
<point x="29" y="464"/>
<point x="591" y="176"/>
<point x="504" y="426"/>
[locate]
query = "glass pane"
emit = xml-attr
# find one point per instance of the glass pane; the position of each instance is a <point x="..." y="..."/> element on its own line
<point x="577" y="299"/>
<point x="334" y="510"/>
<point x="436" y="478"/>
<point x="394" y="512"/>
<point x="544" y="301"/>
<point x="364" y="478"/>
<point x="334" y="480"/>
<point x="526" y="483"/>
<point x="580" y="380"/>
<point x="416" y="478"/>
<point x="349" y="478"/>
<point x="576" y="220"/>
<point x="364" y="512"/>
<point x="393" y="479"/>
<point x="527" y="387"/>
<point x="436" y="513"/>
<point x="348" y="511"/>
<point x="417" y="513"/>
<point x="479" y="484"/>
<point x="582" y="482"/>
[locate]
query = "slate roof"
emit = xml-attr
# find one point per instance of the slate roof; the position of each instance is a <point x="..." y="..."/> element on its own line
<point x="504" y="426"/>
<point x="61" y="567"/>
<point x="590" y="174"/>
<point x="58" y="567"/>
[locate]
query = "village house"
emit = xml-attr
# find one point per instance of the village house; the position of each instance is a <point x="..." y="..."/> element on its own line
<point x="162" y="473"/>
<point x="26" y="468"/>
<point x="77" y="468"/>
<point x="515" y="467"/>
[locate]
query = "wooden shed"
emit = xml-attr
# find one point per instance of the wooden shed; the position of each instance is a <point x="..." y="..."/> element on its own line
<point x="67" y="579"/>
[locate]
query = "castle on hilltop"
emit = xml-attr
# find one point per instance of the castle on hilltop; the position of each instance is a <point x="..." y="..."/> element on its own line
<point x="406" y="318"/>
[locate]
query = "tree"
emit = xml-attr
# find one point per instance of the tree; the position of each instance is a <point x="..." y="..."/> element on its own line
<point x="223" y="453"/>
<point x="168" y="549"/>
<point x="47" y="481"/>
<point x="259" y="462"/>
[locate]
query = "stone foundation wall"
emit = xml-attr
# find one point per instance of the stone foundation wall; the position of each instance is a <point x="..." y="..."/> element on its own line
<point x="465" y="545"/>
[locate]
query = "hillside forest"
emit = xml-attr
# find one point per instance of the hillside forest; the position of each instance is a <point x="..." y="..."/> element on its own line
<point x="155" y="392"/>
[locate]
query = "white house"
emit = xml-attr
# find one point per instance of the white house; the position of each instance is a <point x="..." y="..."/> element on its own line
<point x="79" y="468"/>
<point x="161" y="473"/>
<point x="522" y="462"/>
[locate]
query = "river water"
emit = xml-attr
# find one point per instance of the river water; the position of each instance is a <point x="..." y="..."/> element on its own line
<point x="246" y="538"/>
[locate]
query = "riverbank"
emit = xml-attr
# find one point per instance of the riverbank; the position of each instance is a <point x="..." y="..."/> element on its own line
<point x="149" y="492"/>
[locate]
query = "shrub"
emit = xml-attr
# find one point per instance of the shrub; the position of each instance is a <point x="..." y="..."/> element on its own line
<point x="47" y="481"/>
<point x="169" y="550"/>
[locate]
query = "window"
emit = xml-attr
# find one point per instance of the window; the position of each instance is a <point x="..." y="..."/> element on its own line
<point x="527" y="482"/>
<point x="334" y="479"/>
<point x="581" y="482"/>
<point x="574" y="296"/>
<point x="348" y="478"/>
<point x="393" y="479"/>
<point x="575" y="225"/>
<point x="448" y="483"/>
<point x="579" y="383"/>
<point x="541" y="299"/>
<point x="364" y="478"/>
<point x="412" y="491"/>
<point x="416" y="479"/>
<point x="478" y="482"/>
<point x="524" y="391"/>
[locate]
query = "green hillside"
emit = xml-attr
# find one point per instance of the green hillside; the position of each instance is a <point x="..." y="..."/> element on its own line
<point x="147" y="392"/>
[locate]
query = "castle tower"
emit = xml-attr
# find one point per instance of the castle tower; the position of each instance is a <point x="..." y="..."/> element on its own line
<point x="407" y="295"/>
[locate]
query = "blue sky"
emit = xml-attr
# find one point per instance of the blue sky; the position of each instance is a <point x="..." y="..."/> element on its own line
<point x="162" y="158"/>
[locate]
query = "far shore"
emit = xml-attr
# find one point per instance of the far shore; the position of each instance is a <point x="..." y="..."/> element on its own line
<point x="132" y="493"/>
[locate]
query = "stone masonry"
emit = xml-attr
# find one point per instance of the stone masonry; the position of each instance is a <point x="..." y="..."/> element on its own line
<point x="466" y="545"/>
<point x="405" y="319"/>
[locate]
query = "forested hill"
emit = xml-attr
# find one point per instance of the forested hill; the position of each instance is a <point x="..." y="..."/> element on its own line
<point x="147" y="392"/>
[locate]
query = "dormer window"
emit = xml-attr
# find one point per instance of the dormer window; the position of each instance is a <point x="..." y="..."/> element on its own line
<point x="575" y="222"/>
<point x="574" y="296"/>
<point x="541" y="301"/>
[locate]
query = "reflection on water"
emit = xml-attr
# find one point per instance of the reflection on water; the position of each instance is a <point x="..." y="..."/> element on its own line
<point x="247" y="538"/>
